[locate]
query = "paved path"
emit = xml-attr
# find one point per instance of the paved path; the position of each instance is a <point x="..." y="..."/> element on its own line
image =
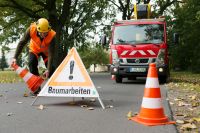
<point x="17" y="116"/>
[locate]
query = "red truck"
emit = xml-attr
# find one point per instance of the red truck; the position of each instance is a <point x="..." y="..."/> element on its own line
<point x="134" y="44"/>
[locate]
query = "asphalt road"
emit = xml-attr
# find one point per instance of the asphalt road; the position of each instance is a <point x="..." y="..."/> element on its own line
<point x="59" y="116"/>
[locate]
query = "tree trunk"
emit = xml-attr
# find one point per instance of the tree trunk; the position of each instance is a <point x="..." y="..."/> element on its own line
<point x="94" y="67"/>
<point x="57" y="25"/>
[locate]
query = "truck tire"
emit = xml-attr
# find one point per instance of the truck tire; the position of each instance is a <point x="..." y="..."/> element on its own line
<point x="163" y="79"/>
<point x="118" y="79"/>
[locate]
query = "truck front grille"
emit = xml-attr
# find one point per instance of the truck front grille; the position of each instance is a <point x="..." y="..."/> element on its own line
<point x="136" y="61"/>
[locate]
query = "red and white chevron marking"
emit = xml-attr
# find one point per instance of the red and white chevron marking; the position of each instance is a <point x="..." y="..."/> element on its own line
<point x="142" y="52"/>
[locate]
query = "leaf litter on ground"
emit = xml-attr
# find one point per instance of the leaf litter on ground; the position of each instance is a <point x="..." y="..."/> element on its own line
<point x="184" y="99"/>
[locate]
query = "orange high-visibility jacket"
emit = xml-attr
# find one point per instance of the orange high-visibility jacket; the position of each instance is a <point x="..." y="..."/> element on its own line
<point x="36" y="45"/>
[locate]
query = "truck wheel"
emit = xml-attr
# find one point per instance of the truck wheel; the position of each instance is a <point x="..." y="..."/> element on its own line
<point x="118" y="79"/>
<point x="163" y="79"/>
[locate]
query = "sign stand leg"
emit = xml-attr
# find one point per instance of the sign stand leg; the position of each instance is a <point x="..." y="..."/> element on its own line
<point x="73" y="101"/>
<point x="34" y="101"/>
<point x="102" y="105"/>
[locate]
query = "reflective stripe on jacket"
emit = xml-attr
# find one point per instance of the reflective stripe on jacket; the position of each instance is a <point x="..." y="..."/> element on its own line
<point x="36" y="45"/>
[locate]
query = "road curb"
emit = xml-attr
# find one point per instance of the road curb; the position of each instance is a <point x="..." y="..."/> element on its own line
<point x="169" y="107"/>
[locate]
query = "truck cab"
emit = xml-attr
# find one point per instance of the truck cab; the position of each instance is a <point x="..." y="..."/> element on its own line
<point x="136" y="43"/>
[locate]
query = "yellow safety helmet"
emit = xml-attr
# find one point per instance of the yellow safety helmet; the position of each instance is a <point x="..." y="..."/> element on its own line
<point x="43" y="25"/>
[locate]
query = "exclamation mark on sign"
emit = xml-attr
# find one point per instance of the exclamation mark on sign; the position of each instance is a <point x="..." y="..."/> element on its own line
<point x="71" y="70"/>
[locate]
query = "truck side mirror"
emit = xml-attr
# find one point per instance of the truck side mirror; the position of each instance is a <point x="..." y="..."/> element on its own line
<point x="175" y="38"/>
<point x="103" y="40"/>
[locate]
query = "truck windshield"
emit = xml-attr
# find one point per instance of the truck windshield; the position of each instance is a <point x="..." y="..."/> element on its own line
<point x="139" y="34"/>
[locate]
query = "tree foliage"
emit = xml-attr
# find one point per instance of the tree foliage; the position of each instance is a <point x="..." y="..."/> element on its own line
<point x="71" y="19"/>
<point x="3" y="63"/>
<point x="161" y="6"/>
<point x="126" y="7"/>
<point x="186" y="55"/>
<point x="93" y="54"/>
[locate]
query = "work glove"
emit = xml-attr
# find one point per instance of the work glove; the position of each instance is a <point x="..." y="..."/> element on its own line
<point x="13" y="61"/>
<point x="46" y="74"/>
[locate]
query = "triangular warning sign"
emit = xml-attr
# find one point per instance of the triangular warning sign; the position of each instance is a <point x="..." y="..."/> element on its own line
<point x="70" y="80"/>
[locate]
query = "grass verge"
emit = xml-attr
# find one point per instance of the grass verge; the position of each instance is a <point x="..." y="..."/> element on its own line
<point x="185" y="80"/>
<point x="184" y="98"/>
<point x="9" y="77"/>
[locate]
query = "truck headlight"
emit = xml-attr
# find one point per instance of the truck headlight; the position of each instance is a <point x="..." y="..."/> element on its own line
<point x="160" y="60"/>
<point x="115" y="59"/>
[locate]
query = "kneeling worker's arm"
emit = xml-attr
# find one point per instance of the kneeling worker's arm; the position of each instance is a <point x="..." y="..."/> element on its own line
<point x="23" y="41"/>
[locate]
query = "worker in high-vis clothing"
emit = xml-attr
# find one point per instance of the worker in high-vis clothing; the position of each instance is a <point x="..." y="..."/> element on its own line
<point x="42" y="42"/>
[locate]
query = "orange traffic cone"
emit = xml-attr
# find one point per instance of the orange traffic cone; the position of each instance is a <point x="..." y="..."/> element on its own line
<point x="33" y="82"/>
<point x="152" y="113"/>
<point x="113" y="77"/>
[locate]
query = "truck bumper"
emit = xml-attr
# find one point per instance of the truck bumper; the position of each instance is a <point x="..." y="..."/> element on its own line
<point x="137" y="71"/>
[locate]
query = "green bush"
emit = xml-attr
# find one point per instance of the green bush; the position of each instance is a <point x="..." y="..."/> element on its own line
<point x="94" y="55"/>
